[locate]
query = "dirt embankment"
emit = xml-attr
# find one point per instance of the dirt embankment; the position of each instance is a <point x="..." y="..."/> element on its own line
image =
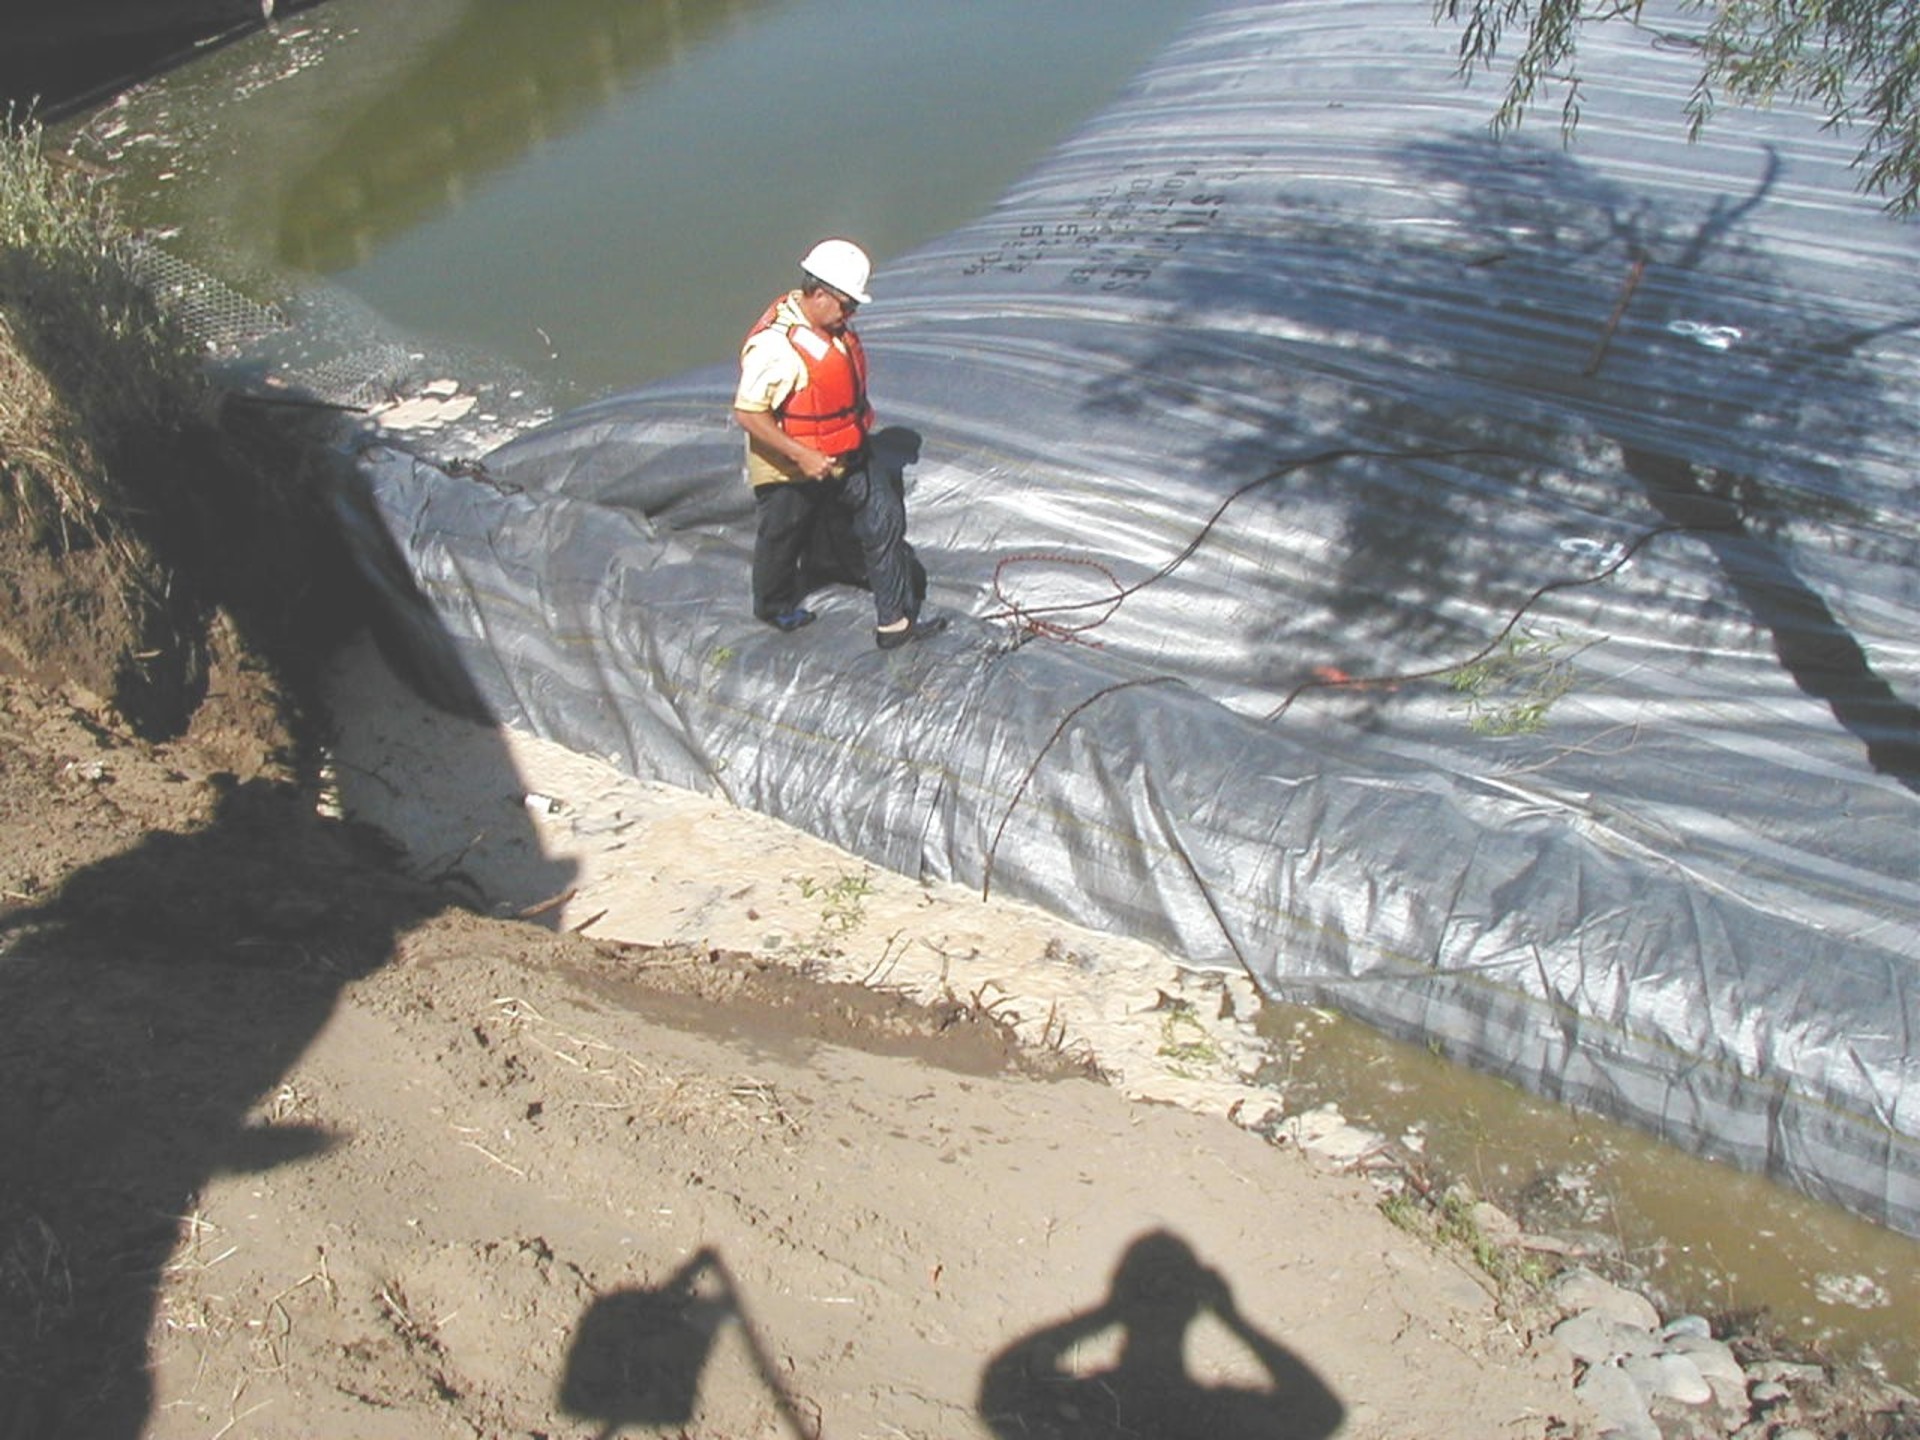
<point x="297" y="1147"/>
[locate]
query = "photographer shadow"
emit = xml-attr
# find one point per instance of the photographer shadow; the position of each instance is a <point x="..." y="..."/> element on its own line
<point x="1032" y="1391"/>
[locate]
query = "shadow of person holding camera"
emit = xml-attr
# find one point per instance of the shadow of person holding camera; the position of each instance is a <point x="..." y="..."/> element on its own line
<point x="1032" y="1391"/>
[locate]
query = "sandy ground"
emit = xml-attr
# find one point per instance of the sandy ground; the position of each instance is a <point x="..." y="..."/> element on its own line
<point x="533" y="827"/>
<point x="296" y="1148"/>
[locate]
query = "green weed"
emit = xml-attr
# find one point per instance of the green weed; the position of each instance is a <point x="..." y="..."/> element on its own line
<point x="1184" y="1041"/>
<point x="1510" y="690"/>
<point x="843" y="901"/>
<point x="1448" y="1221"/>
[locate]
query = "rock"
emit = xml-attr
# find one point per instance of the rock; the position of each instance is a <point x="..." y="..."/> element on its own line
<point x="1668" y="1376"/>
<point x="1691" y="1326"/>
<point x="1581" y="1289"/>
<point x="1714" y="1357"/>
<point x="426" y="411"/>
<point x="1620" y="1412"/>
<point x="1717" y="1365"/>
<point x="1788" y="1372"/>
<point x="1495" y="1223"/>
<point x="1594" y="1339"/>
<point x="1329" y="1136"/>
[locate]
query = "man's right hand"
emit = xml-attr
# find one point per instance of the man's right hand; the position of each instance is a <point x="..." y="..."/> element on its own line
<point x="816" y="466"/>
<point x="763" y="427"/>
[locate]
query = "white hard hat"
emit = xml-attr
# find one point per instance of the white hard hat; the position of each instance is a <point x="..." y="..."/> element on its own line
<point x="841" y="264"/>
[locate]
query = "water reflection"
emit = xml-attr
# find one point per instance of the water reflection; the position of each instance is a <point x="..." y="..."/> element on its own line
<point x="502" y="80"/>
<point x="599" y="193"/>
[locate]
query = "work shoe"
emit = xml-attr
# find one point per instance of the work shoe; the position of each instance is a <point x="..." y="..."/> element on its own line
<point x="913" y="630"/>
<point x="790" y="620"/>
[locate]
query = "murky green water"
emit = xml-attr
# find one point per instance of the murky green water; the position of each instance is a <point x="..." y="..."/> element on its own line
<point x="601" y="192"/>
<point x="1714" y="1241"/>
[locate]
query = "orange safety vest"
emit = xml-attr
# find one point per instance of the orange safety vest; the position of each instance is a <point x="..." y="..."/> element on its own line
<point x="830" y="412"/>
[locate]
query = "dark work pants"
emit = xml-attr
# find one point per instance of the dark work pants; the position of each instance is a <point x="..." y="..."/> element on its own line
<point x="851" y="531"/>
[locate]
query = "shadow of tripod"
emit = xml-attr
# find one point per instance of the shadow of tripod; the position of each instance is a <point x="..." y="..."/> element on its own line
<point x="638" y="1354"/>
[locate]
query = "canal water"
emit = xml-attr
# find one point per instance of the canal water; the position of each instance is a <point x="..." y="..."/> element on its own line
<point x="1711" y="1240"/>
<point x="604" y="192"/>
<point x="597" y="193"/>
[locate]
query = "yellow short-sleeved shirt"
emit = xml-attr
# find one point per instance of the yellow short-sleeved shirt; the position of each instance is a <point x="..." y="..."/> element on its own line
<point x="771" y="373"/>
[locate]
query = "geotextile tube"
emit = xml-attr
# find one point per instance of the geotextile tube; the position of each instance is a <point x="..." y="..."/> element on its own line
<point x="1471" y="584"/>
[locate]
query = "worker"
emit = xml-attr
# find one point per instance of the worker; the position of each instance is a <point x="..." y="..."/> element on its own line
<point x="818" y="488"/>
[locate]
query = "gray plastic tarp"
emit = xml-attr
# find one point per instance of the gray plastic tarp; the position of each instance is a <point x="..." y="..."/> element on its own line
<point x="1469" y="584"/>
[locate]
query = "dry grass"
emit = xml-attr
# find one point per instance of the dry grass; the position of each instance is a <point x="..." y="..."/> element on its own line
<point x="36" y="1289"/>
<point x="96" y="395"/>
<point x="91" y="372"/>
<point x="744" y="1107"/>
<point x="138" y="507"/>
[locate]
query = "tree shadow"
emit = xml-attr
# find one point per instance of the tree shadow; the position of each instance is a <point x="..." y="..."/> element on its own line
<point x="1032" y="1390"/>
<point x="1498" y="401"/>
<point x="638" y="1354"/>
<point x="1818" y="652"/>
<point x="1751" y="406"/>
